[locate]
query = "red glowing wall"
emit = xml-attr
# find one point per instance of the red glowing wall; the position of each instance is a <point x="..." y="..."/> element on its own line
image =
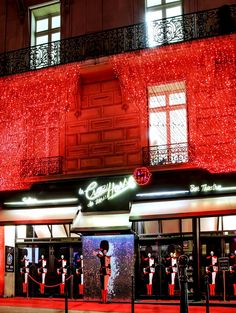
<point x="2" y="260"/>
<point x="32" y="116"/>
<point x="208" y="69"/>
<point x="34" y="106"/>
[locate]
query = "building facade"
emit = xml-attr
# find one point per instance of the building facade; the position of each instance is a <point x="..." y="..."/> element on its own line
<point x="117" y="130"/>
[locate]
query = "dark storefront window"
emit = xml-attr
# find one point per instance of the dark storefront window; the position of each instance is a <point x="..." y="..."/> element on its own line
<point x="162" y="241"/>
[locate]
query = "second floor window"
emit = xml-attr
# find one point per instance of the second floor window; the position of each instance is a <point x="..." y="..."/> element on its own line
<point x="161" y="29"/>
<point x="168" y="123"/>
<point x="46" y="31"/>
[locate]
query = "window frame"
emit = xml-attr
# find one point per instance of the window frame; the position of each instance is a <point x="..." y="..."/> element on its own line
<point x="47" y="53"/>
<point x="46" y="13"/>
<point x="150" y="28"/>
<point x="168" y="108"/>
<point x="163" y="6"/>
<point x="167" y="149"/>
<point x="50" y="31"/>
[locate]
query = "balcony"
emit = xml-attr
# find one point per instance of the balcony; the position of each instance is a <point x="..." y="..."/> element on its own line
<point x="182" y="28"/>
<point x="166" y="154"/>
<point x="41" y="167"/>
<point x="151" y="156"/>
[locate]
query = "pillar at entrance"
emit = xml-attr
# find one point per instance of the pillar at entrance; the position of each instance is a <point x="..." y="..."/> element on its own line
<point x="2" y="261"/>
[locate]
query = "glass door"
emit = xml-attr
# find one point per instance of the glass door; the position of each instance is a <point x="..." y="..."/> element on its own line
<point x="157" y="275"/>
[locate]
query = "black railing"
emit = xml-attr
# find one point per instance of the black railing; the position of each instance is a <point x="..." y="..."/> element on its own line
<point x="165" y="154"/>
<point x="41" y="166"/>
<point x="118" y="40"/>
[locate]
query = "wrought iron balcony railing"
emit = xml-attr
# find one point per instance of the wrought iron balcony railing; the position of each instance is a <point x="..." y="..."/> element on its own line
<point x="118" y="40"/>
<point x="165" y="154"/>
<point x="41" y="167"/>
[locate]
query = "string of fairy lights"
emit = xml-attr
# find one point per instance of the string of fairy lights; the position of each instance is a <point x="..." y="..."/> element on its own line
<point x="207" y="68"/>
<point x="33" y="108"/>
<point x="203" y="69"/>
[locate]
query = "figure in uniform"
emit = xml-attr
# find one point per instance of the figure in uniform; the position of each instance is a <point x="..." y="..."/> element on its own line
<point x="25" y="270"/>
<point x="211" y="270"/>
<point x="149" y="271"/>
<point x="62" y="270"/>
<point x="105" y="269"/>
<point x="171" y="271"/>
<point x="42" y="269"/>
<point x="232" y="263"/>
<point x="79" y="272"/>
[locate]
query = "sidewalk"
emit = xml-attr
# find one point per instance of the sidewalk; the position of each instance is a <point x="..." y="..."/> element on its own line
<point x="54" y="305"/>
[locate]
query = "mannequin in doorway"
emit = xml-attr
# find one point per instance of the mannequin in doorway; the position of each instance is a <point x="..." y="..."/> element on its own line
<point x="211" y="270"/>
<point x="171" y="271"/>
<point x="62" y="270"/>
<point x="42" y="269"/>
<point x="105" y="269"/>
<point x="79" y="272"/>
<point x="149" y="271"/>
<point x="25" y="270"/>
<point x="232" y="263"/>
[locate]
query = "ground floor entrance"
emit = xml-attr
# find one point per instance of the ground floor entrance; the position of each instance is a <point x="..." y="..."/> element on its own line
<point x="45" y="267"/>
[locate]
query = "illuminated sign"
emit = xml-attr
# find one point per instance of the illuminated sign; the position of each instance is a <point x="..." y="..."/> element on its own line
<point x="142" y="175"/>
<point x="96" y="194"/>
<point x="208" y="188"/>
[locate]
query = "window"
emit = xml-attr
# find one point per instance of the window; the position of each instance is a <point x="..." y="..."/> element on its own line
<point x="45" y="31"/>
<point x="160" y="28"/>
<point x="167" y="123"/>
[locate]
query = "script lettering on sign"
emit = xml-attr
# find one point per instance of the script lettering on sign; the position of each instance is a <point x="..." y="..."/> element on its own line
<point x="96" y="194"/>
<point x="205" y="188"/>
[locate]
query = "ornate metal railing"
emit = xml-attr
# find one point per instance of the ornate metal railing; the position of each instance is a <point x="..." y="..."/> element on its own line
<point x="41" y="166"/>
<point x="124" y="39"/>
<point x="165" y="154"/>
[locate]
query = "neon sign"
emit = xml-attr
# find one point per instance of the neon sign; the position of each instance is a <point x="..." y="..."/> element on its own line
<point x="96" y="194"/>
<point x="208" y="188"/>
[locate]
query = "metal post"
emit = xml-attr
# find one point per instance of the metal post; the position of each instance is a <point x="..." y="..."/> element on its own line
<point x="207" y="293"/>
<point x="66" y="297"/>
<point x="196" y="259"/>
<point x="132" y="295"/>
<point x="224" y="285"/>
<point x="183" y="278"/>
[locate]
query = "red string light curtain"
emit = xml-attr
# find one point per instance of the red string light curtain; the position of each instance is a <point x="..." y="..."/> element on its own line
<point x="208" y="69"/>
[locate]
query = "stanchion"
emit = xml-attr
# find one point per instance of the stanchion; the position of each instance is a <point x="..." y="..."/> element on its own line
<point x="27" y="290"/>
<point x="66" y="297"/>
<point x="183" y="278"/>
<point x="207" y="294"/>
<point x="132" y="295"/>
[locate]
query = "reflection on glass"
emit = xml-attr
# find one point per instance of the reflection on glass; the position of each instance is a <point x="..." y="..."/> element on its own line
<point x="157" y="101"/>
<point x="41" y="25"/>
<point x="177" y="98"/>
<point x="175" y="11"/>
<point x="56" y="21"/>
<point x="151" y="3"/>
<point x="157" y="129"/>
<point x="153" y="15"/>
<point x="169" y="1"/>
<point x="178" y="126"/>
<point x="41" y="39"/>
<point x="56" y="36"/>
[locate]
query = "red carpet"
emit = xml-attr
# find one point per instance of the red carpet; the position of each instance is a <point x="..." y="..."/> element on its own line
<point x="110" y="307"/>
